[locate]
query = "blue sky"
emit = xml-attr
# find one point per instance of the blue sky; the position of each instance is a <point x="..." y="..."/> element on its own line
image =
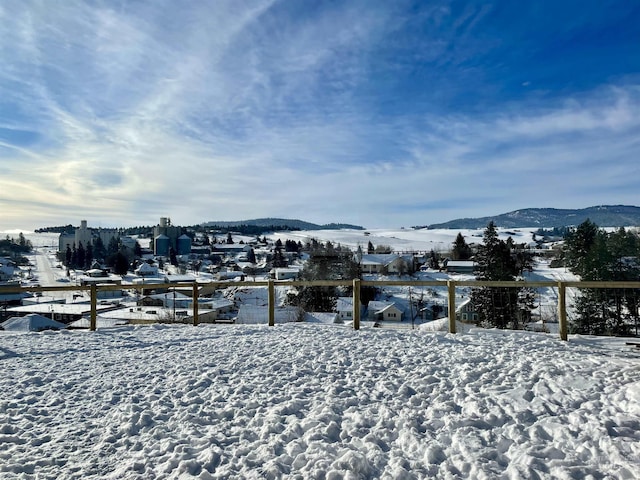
<point x="382" y="114"/>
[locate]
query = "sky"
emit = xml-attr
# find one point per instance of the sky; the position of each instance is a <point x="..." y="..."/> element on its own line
<point x="375" y="113"/>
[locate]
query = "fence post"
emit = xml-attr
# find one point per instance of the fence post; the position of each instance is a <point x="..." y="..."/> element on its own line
<point x="356" y="304"/>
<point x="562" y="310"/>
<point x="94" y="308"/>
<point x="195" y="304"/>
<point x="272" y="303"/>
<point x="451" y="290"/>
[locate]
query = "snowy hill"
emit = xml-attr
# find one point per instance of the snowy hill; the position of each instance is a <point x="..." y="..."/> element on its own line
<point x="316" y="401"/>
<point x="603" y="216"/>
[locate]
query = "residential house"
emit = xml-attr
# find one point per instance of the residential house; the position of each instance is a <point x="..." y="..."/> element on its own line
<point x="386" y="263"/>
<point x="285" y="273"/>
<point x="466" y="312"/>
<point x="344" y="307"/>
<point x="258" y="314"/>
<point x="384" y="311"/>
<point x="460" y="266"/>
<point x="146" y="270"/>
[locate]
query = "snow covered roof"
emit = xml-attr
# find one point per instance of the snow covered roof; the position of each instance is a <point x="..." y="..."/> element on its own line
<point x="256" y="314"/>
<point x="379" y="307"/>
<point x="344" y="304"/>
<point x="31" y="323"/>
<point x="378" y="258"/>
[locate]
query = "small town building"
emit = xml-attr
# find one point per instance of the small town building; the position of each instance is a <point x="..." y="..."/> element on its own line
<point x="460" y="266"/>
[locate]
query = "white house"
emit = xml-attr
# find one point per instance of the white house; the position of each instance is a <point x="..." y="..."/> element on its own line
<point x="285" y="273"/>
<point x="386" y="263"/>
<point x="257" y="314"/>
<point x="344" y="307"/>
<point x="146" y="270"/>
<point x="377" y="311"/>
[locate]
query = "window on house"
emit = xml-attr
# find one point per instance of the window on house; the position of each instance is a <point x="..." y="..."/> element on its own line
<point x="464" y="317"/>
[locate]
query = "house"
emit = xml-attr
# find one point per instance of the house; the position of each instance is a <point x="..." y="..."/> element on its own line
<point x="466" y="312"/>
<point x="62" y="312"/>
<point x="230" y="275"/>
<point x="179" y="279"/>
<point x="230" y="248"/>
<point x="383" y="311"/>
<point x="167" y="300"/>
<point x="285" y="273"/>
<point x="344" y="307"/>
<point x="258" y="314"/>
<point x="386" y="263"/>
<point x="146" y="270"/>
<point x="6" y="272"/>
<point x="99" y="277"/>
<point x="460" y="266"/>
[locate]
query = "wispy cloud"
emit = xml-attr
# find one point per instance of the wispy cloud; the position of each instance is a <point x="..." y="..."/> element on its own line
<point x="374" y="114"/>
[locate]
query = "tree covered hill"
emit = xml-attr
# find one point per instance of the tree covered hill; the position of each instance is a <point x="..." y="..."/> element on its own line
<point x="603" y="216"/>
<point x="281" y="224"/>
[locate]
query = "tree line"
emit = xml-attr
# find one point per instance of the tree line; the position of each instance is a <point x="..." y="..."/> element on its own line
<point x="591" y="253"/>
<point x="15" y="249"/>
<point x="114" y="255"/>
<point x="594" y="254"/>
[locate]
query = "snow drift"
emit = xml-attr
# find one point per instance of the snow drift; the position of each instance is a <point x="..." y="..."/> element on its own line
<point x="31" y="323"/>
<point x="315" y="401"/>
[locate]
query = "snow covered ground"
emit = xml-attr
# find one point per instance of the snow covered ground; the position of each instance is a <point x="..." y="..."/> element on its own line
<point x="316" y="401"/>
<point x="423" y="240"/>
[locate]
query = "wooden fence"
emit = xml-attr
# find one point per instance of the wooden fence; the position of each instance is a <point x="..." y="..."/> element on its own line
<point x="357" y="284"/>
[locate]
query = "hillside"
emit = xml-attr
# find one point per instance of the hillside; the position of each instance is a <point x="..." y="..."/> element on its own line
<point x="281" y="223"/>
<point x="603" y="216"/>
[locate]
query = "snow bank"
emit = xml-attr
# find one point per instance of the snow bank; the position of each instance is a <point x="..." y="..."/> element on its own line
<point x="31" y="323"/>
<point x="315" y="401"/>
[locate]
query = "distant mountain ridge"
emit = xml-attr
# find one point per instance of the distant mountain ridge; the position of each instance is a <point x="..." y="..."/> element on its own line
<point x="280" y="223"/>
<point x="603" y="216"/>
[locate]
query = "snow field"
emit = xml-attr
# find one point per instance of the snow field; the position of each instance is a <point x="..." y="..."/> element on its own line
<point x="315" y="401"/>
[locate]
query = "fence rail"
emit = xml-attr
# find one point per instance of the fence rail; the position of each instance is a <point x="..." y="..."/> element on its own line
<point x="356" y="284"/>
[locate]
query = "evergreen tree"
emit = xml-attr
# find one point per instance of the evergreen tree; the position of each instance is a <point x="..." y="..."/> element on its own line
<point x="596" y="255"/>
<point x="496" y="306"/>
<point x="370" y="248"/>
<point x="121" y="263"/>
<point x="229" y="238"/>
<point x="80" y="259"/>
<point x="74" y="257"/>
<point x="113" y="247"/>
<point x="251" y="256"/>
<point x="433" y="261"/>
<point x="291" y="246"/>
<point x="173" y="259"/>
<point x="278" y="258"/>
<point x="461" y="251"/>
<point x="325" y="264"/>
<point x="578" y="246"/>
<point x="88" y="256"/>
<point x="99" y="250"/>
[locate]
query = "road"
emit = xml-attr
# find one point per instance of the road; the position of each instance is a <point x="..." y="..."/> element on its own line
<point x="45" y="272"/>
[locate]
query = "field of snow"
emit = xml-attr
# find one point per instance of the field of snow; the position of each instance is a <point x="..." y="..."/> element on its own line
<point x="421" y="240"/>
<point x="316" y="401"/>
